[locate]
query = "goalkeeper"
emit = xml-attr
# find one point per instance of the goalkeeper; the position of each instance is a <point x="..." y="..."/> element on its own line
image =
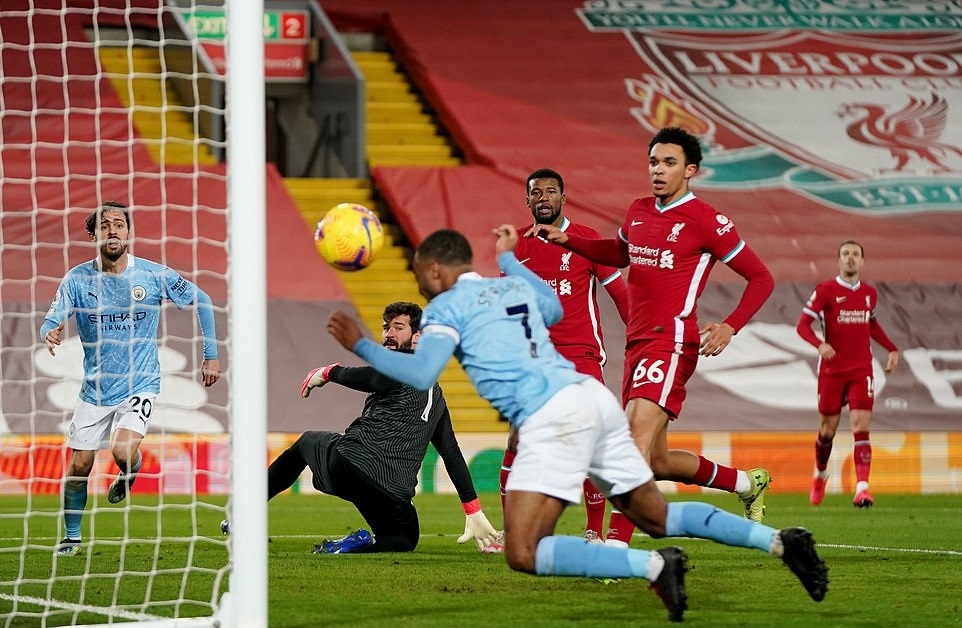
<point x="374" y="464"/>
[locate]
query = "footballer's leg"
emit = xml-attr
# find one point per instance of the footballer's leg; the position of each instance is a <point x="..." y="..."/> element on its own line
<point x="394" y="523"/>
<point x="74" y="500"/>
<point x="127" y="456"/>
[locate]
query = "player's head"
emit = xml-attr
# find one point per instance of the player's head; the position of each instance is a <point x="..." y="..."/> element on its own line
<point x="851" y="258"/>
<point x="674" y="155"/>
<point x="401" y="325"/>
<point x="545" y="194"/>
<point x="109" y="226"/>
<point x="689" y="144"/>
<point x="440" y="259"/>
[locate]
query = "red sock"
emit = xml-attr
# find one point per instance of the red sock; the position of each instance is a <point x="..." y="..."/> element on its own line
<point x="619" y="527"/>
<point x="594" y="507"/>
<point x="863" y="456"/>
<point x="506" y="463"/>
<point x="714" y="475"/>
<point x="823" y="449"/>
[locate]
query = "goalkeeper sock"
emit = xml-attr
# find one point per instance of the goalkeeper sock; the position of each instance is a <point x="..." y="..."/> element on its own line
<point x="74" y="502"/>
<point x="700" y="520"/>
<point x="571" y="556"/>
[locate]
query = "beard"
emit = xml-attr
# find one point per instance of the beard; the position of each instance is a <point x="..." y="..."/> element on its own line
<point x="390" y="343"/>
<point x="542" y="219"/>
<point x="113" y="255"/>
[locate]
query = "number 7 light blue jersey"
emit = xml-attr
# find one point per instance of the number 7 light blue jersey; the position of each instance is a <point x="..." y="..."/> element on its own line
<point x="502" y="338"/>
<point x="117" y="316"/>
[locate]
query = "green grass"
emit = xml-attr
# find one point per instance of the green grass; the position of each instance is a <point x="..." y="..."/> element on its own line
<point x="895" y="565"/>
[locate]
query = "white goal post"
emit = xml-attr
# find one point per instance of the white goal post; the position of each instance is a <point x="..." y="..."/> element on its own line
<point x="114" y="100"/>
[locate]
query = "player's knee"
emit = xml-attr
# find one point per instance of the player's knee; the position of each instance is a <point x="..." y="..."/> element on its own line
<point x="660" y="465"/>
<point x="80" y="469"/>
<point x="123" y="457"/>
<point x="408" y="543"/>
<point x="520" y="557"/>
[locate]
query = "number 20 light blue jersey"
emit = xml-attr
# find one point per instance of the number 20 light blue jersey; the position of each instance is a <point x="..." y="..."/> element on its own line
<point x="117" y="316"/>
<point x="502" y="338"/>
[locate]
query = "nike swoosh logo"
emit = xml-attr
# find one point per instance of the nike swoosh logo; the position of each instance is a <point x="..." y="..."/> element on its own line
<point x="637" y="222"/>
<point x="523" y="260"/>
<point x="839" y="299"/>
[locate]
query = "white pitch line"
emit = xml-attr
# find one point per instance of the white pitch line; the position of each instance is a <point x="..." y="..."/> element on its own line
<point x="908" y="550"/>
<point x="70" y="606"/>
<point x="637" y="535"/>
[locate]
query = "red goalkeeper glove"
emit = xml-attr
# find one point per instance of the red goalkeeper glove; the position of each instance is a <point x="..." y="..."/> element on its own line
<point x="316" y="378"/>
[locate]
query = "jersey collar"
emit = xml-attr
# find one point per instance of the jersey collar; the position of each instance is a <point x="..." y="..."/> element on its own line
<point x="689" y="195"/>
<point x="469" y="276"/>
<point x="851" y="286"/>
<point x="99" y="266"/>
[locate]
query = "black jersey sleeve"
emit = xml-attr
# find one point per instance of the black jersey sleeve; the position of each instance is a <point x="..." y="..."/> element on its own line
<point x="446" y="443"/>
<point x="361" y="378"/>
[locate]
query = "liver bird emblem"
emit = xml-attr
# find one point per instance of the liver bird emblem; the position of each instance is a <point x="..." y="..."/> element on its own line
<point x="913" y="130"/>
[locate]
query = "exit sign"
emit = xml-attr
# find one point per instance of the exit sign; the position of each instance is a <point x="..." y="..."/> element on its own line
<point x="288" y="26"/>
<point x="285" y="41"/>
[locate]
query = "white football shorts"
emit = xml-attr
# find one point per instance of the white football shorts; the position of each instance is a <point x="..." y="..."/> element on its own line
<point x="580" y="432"/>
<point x="92" y="426"/>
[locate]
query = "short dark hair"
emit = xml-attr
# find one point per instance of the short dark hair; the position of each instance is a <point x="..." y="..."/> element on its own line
<point x="860" y="247"/>
<point x="94" y="218"/>
<point x="447" y="247"/>
<point x="677" y="135"/>
<point x="400" y="308"/>
<point x="544" y="173"/>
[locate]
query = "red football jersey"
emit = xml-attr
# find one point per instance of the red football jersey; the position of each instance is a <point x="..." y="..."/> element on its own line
<point x="672" y="251"/>
<point x="575" y="280"/>
<point x="845" y="312"/>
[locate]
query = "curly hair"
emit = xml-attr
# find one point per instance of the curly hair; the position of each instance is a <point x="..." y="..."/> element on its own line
<point x="677" y="135"/>
<point x="94" y="218"/>
<point x="400" y="308"/>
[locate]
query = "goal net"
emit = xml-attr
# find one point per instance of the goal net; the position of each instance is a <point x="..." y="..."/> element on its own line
<point x="115" y="100"/>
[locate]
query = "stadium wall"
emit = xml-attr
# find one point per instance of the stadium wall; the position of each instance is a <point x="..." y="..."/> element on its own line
<point x="902" y="462"/>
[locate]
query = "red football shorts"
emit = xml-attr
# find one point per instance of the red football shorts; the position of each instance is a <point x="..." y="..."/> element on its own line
<point x="855" y="388"/>
<point x="658" y="370"/>
<point x="588" y="365"/>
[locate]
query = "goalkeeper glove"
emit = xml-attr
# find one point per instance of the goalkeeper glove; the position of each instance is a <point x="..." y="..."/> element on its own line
<point x="316" y="378"/>
<point x="477" y="526"/>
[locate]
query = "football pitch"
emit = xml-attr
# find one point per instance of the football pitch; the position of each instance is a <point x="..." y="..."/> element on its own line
<point x="897" y="564"/>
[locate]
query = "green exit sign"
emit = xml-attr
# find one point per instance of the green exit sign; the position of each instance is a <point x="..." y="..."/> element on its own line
<point x="278" y="25"/>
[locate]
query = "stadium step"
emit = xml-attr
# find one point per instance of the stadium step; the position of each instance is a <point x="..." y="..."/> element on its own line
<point x="164" y="124"/>
<point x="396" y="112"/>
<point x="389" y="279"/>
<point x="399" y="132"/>
<point x="398" y="129"/>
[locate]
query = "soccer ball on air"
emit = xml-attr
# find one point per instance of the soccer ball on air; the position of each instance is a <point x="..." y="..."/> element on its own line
<point x="349" y="236"/>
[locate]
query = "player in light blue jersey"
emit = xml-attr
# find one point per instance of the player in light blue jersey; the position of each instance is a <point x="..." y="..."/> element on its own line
<point x="570" y="426"/>
<point x="116" y="300"/>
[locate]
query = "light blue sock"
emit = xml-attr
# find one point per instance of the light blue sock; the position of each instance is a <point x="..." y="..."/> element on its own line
<point x="701" y="520"/>
<point x="573" y="556"/>
<point x="74" y="502"/>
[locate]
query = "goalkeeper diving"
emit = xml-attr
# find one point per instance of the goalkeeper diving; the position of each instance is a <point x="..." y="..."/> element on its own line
<point x="374" y="464"/>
